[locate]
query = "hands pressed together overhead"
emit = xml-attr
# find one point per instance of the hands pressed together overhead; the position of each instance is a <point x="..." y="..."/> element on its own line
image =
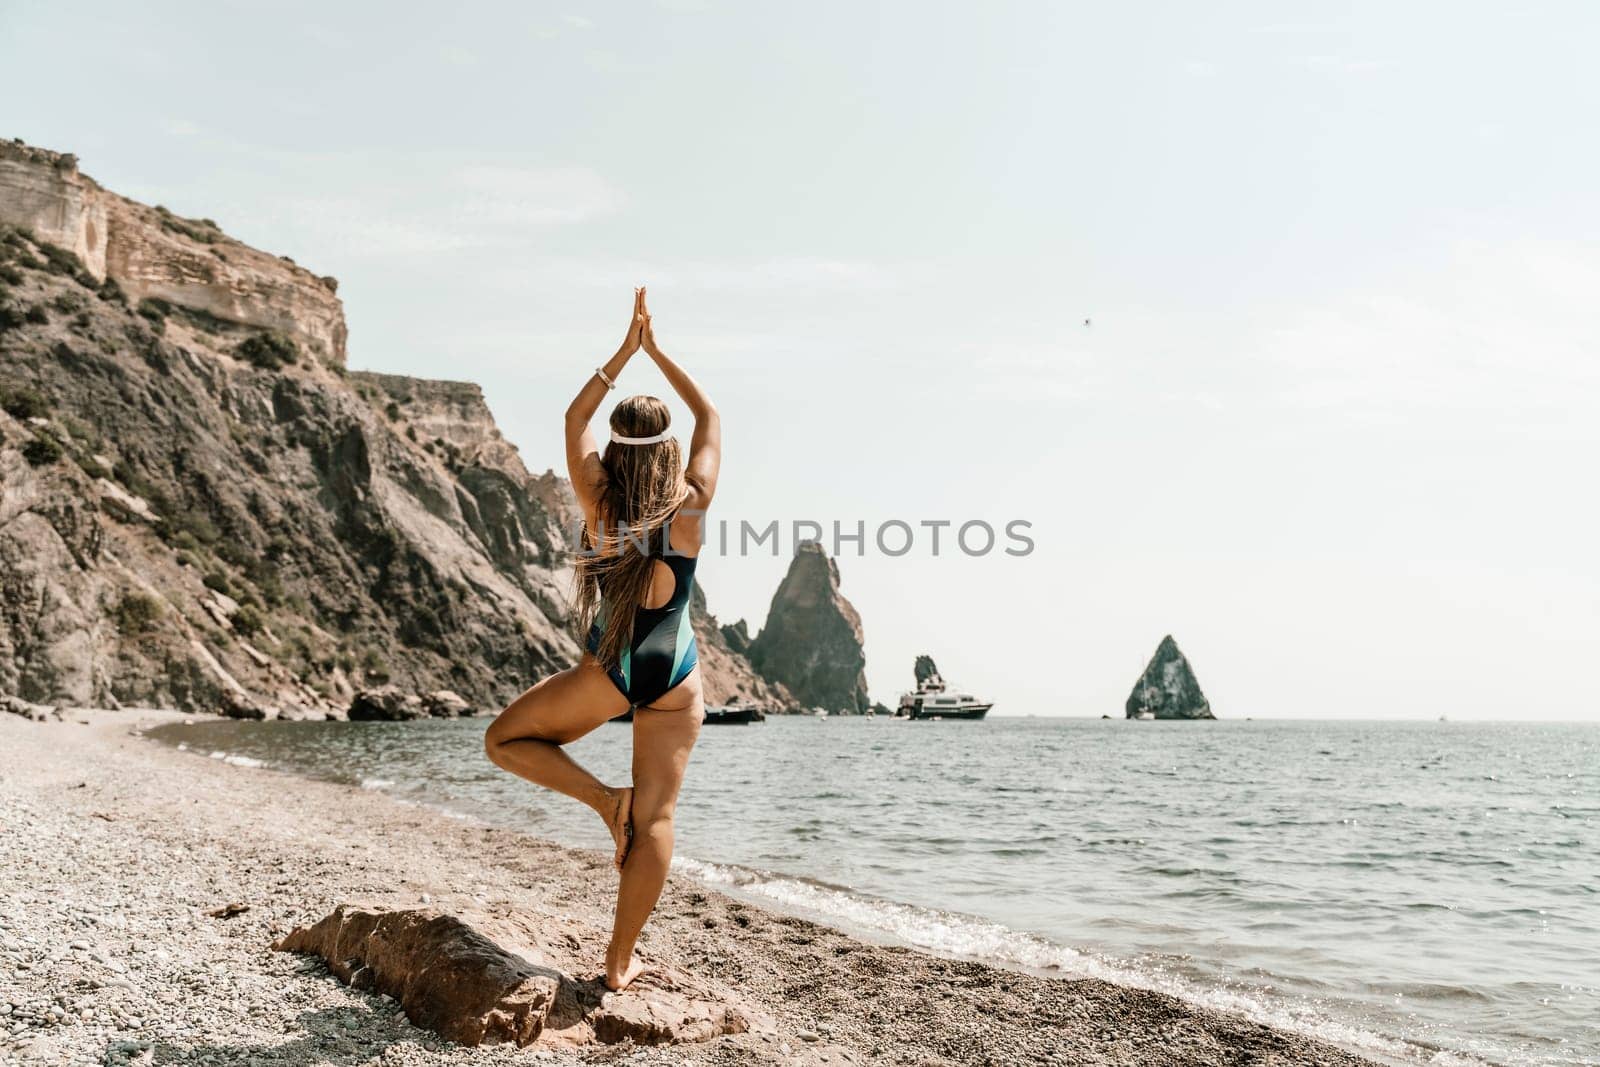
<point x="639" y="332"/>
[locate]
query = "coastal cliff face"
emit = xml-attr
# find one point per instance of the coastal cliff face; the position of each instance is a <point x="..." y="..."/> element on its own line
<point x="726" y="671"/>
<point x="153" y="254"/>
<point x="203" y="513"/>
<point x="1168" y="688"/>
<point x="812" y="642"/>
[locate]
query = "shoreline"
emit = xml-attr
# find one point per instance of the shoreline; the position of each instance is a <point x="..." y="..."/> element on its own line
<point x="117" y="846"/>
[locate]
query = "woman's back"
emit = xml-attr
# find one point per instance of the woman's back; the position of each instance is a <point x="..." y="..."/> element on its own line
<point x="661" y="651"/>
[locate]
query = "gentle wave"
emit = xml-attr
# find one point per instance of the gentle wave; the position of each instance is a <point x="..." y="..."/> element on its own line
<point x="969" y="937"/>
<point x="238" y="761"/>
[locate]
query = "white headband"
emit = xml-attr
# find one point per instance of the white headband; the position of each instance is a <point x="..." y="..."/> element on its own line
<point x="656" y="439"/>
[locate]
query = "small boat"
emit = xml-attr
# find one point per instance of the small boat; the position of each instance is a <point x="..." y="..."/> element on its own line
<point x="734" y="713"/>
<point x="1145" y="716"/>
<point x="934" y="700"/>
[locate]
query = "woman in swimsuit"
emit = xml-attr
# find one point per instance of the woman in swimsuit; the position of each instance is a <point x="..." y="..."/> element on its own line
<point x="643" y="510"/>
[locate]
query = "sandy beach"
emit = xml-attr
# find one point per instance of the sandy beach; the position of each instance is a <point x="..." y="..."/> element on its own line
<point x="115" y="849"/>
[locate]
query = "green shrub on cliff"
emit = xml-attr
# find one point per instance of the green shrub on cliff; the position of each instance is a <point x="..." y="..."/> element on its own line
<point x="23" y="403"/>
<point x="60" y="261"/>
<point x="42" y="451"/>
<point x="269" y="351"/>
<point x="374" y="666"/>
<point x="155" y="311"/>
<point x="204" y="230"/>
<point x="67" y="302"/>
<point x="247" y="621"/>
<point x="188" y="524"/>
<point x="137" y="613"/>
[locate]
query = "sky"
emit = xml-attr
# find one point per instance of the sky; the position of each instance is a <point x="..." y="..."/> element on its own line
<point x="1276" y="322"/>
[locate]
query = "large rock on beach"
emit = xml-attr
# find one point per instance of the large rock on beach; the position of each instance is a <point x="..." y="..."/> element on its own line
<point x="505" y="979"/>
<point x="1168" y="688"/>
<point x="29" y="710"/>
<point x="446" y="704"/>
<point x="812" y="642"/>
<point x="386" y="703"/>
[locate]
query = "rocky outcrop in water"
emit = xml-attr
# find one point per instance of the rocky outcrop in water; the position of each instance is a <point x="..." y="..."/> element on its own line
<point x="465" y="985"/>
<point x="812" y="642"/>
<point x="1167" y="688"/>
<point x="925" y="669"/>
<point x="201" y="508"/>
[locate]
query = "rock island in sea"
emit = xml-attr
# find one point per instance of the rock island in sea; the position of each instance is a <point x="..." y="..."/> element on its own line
<point x="1168" y="689"/>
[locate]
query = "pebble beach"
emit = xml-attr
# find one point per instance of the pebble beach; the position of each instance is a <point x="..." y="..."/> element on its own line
<point x="142" y="888"/>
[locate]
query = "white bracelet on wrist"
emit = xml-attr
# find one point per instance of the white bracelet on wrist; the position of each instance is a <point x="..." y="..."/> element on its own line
<point x="603" y="377"/>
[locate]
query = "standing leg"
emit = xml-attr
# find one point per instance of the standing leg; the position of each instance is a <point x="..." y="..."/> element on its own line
<point x="662" y="738"/>
<point x="526" y="740"/>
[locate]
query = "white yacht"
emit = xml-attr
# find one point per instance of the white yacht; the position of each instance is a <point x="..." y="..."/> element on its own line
<point x="933" y="699"/>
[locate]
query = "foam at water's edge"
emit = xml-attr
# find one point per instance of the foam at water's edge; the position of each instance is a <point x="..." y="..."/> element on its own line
<point x="957" y="935"/>
<point x="238" y="761"/>
<point x="966" y="936"/>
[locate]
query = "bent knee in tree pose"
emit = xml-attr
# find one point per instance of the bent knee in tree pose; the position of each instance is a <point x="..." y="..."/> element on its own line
<point x="643" y="509"/>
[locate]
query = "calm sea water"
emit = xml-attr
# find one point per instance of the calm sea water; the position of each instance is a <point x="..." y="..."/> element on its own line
<point x="1421" y="892"/>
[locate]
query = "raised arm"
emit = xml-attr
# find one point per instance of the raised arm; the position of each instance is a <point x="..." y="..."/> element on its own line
<point x="583" y="451"/>
<point x="705" y="447"/>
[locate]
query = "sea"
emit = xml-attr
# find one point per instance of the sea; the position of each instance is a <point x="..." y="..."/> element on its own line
<point x="1418" y="892"/>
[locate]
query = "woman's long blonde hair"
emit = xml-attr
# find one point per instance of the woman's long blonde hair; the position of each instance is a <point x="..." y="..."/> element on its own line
<point x="641" y="489"/>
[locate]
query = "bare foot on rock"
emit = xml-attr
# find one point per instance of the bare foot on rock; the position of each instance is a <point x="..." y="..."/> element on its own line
<point x="621" y="825"/>
<point x="620" y="978"/>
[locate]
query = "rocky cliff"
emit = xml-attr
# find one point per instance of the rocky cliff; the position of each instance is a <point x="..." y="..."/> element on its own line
<point x="200" y="508"/>
<point x="1168" y="688"/>
<point x="153" y="254"/>
<point x="727" y="670"/>
<point x="812" y="641"/>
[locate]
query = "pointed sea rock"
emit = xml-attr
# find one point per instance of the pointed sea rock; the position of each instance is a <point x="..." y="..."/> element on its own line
<point x="812" y="641"/>
<point x="1168" y="688"/>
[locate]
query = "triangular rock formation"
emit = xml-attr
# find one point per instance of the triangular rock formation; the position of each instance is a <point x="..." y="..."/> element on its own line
<point x="1167" y="689"/>
<point x="812" y="641"/>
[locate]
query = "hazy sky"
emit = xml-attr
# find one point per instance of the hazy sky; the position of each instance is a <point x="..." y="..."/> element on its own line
<point x="1334" y="424"/>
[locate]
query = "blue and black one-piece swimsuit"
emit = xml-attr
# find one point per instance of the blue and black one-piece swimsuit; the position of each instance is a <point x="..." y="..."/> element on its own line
<point x="662" y="652"/>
